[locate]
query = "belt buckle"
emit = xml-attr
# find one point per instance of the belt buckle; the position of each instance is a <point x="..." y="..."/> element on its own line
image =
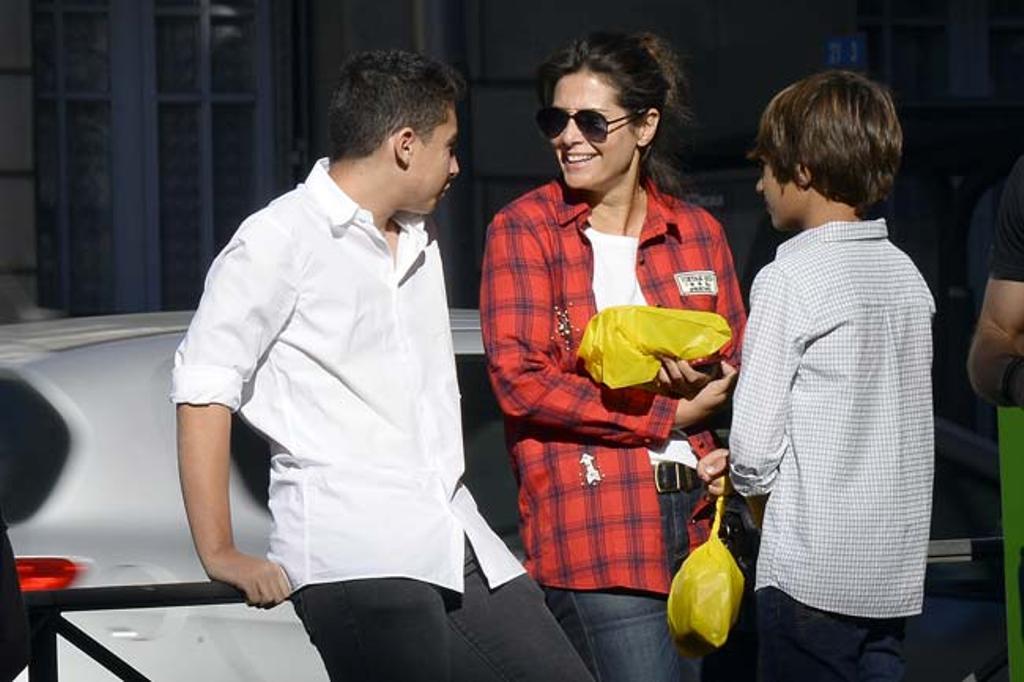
<point x="668" y="488"/>
<point x="685" y="479"/>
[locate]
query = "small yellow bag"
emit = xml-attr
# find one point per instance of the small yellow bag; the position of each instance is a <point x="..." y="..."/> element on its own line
<point x="704" y="600"/>
<point x="621" y="345"/>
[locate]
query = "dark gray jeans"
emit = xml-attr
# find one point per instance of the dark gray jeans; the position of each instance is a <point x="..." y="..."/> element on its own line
<point x="402" y="629"/>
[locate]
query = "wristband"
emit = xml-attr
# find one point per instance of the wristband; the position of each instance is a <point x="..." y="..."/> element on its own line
<point x="1011" y="389"/>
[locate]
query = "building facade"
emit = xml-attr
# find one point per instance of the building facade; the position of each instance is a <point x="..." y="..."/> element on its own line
<point x="140" y="132"/>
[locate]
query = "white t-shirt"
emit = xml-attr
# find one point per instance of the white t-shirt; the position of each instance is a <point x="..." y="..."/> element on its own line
<point x="615" y="283"/>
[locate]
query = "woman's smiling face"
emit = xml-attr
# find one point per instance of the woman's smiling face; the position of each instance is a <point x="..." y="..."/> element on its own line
<point x="598" y="166"/>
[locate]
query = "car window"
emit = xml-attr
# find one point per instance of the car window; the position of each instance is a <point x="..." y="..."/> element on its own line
<point x="34" y="444"/>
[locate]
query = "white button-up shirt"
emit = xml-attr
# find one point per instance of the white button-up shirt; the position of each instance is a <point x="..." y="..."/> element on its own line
<point x="833" y="417"/>
<point x="341" y="355"/>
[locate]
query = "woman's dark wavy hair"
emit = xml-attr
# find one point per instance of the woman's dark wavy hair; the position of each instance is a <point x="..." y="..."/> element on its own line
<point x="645" y="72"/>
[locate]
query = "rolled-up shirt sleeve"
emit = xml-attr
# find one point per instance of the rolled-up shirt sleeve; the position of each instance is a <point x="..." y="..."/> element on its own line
<point x="250" y="292"/>
<point x="771" y="356"/>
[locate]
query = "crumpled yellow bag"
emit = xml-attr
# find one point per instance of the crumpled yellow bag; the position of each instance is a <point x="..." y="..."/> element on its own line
<point x="621" y="345"/>
<point x="704" y="600"/>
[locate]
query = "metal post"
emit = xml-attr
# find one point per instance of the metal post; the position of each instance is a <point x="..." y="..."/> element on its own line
<point x="43" y="666"/>
<point x="45" y="610"/>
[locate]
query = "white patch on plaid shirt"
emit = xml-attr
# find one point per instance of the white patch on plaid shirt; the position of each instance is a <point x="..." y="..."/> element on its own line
<point x="697" y="283"/>
<point x="590" y="473"/>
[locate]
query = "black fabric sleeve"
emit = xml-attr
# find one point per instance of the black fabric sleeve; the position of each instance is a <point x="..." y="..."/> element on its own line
<point x="14" y="633"/>
<point x="1008" y="248"/>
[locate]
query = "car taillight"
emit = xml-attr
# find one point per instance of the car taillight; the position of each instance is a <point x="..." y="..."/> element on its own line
<point x="47" y="573"/>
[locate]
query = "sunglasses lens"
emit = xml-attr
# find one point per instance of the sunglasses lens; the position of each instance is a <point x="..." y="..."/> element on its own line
<point x="592" y="125"/>
<point x="552" y="121"/>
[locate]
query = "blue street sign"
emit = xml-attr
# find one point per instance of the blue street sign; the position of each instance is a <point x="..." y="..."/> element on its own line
<point x="847" y="52"/>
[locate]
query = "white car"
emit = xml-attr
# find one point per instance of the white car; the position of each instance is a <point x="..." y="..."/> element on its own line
<point x="88" y="472"/>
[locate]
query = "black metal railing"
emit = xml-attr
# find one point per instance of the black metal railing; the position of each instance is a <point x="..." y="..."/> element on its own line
<point x="964" y="550"/>
<point x="47" y="621"/>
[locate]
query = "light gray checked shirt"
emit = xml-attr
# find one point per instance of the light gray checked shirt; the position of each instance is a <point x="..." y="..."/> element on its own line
<point x="833" y="417"/>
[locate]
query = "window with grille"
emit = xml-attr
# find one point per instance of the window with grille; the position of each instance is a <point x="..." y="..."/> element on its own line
<point x="154" y="138"/>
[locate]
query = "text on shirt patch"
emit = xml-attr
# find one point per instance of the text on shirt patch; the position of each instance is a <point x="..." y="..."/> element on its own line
<point x="591" y="474"/>
<point x="697" y="283"/>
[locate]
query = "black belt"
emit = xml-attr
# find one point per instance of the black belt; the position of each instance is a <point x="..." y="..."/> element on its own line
<point x="673" y="477"/>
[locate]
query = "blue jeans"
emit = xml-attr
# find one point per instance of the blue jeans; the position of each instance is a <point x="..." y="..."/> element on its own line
<point x="622" y="635"/>
<point x="676" y="509"/>
<point x="799" y="642"/>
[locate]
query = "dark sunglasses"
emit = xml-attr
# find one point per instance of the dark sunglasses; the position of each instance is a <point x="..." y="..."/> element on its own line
<point x="592" y="124"/>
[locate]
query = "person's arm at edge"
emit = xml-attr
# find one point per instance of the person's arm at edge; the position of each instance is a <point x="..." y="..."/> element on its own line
<point x="994" y="364"/>
<point x="204" y="436"/>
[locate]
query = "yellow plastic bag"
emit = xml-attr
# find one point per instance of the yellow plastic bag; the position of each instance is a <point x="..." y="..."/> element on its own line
<point x="621" y="345"/>
<point x="704" y="601"/>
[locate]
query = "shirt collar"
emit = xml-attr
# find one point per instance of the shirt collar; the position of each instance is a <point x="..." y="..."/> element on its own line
<point x="660" y="217"/>
<point x="834" y="232"/>
<point x="568" y="209"/>
<point x="342" y="211"/>
<point x="413" y="222"/>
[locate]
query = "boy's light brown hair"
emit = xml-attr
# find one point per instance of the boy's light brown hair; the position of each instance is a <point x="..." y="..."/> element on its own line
<point x="843" y="128"/>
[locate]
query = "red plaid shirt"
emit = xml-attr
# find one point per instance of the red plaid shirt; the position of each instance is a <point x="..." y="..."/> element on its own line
<point x="536" y="298"/>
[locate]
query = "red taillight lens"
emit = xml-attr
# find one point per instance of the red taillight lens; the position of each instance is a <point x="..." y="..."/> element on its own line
<point x="46" y="573"/>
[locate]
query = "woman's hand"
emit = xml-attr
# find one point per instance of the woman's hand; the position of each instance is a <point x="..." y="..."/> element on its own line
<point x="679" y="380"/>
<point x="708" y="400"/>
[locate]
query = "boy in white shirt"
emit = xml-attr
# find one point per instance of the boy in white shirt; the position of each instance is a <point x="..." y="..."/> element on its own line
<point x="324" y="323"/>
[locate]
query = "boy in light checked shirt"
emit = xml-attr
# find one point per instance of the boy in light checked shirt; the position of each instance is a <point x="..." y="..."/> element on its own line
<point x="833" y="411"/>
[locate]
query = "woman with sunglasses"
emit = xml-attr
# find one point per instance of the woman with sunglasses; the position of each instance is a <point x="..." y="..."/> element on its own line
<point x="612" y="483"/>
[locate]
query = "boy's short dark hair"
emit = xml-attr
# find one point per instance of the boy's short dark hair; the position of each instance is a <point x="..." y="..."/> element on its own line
<point x="843" y="128"/>
<point x="382" y="91"/>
